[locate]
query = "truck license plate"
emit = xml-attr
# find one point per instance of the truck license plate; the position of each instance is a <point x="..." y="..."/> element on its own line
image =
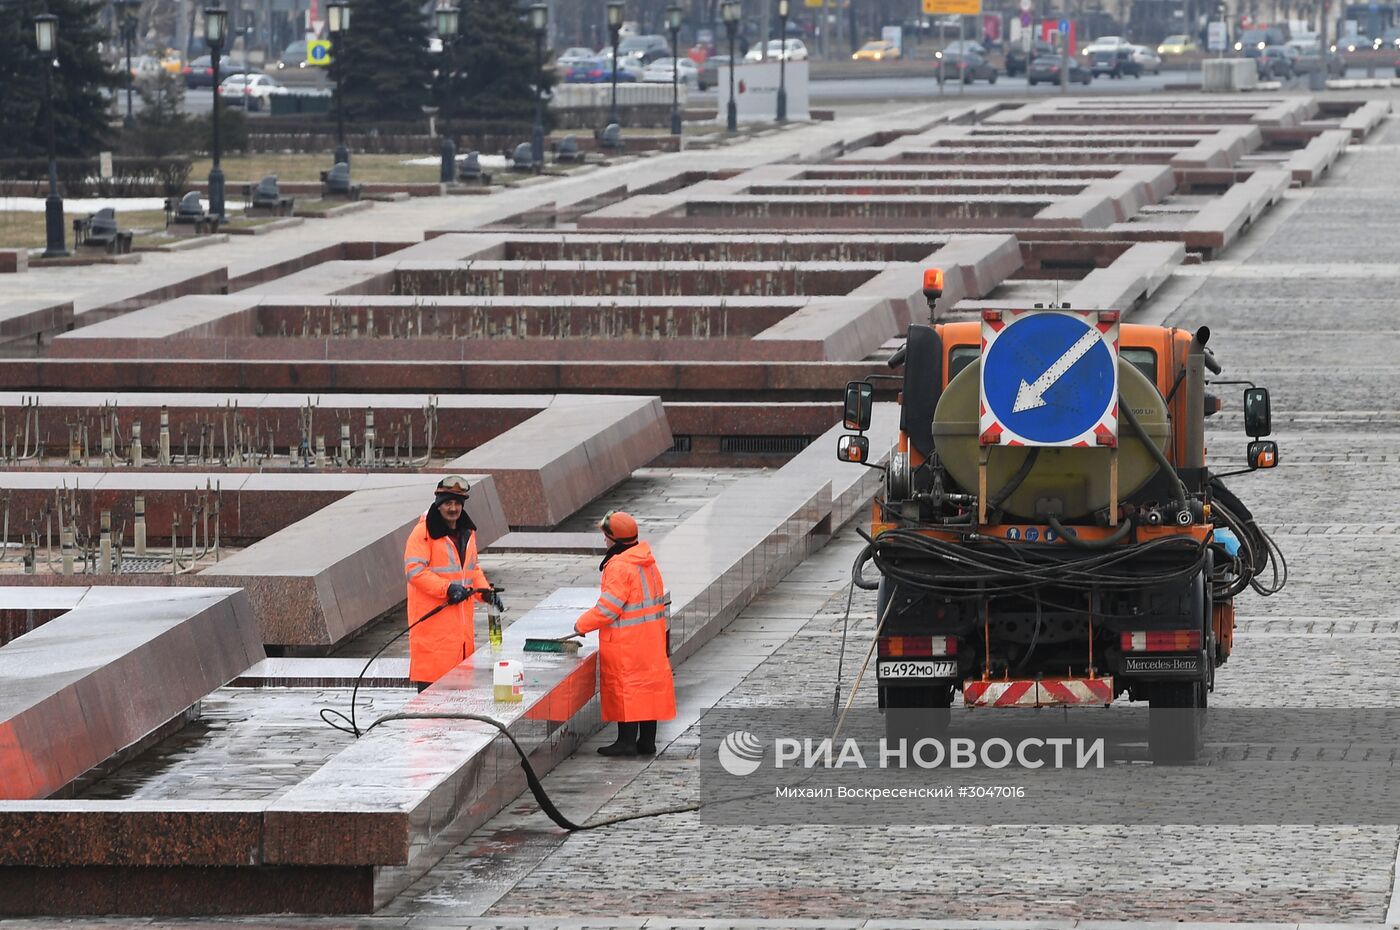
<point x="918" y="668"/>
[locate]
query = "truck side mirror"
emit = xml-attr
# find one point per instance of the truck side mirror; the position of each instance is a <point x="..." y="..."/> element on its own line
<point x="854" y="449"/>
<point x="1257" y="421"/>
<point x="860" y="398"/>
<point x="1262" y="453"/>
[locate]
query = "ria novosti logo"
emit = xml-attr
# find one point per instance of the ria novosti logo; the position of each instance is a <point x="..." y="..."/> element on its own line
<point x="740" y="753"/>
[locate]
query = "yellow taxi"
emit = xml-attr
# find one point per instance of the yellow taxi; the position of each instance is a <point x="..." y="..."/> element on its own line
<point x="173" y="62"/>
<point x="876" y="50"/>
<point x="1177" y="45"/>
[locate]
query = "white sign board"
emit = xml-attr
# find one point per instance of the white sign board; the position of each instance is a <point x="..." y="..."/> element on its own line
<point x="1215" y="37"/>
<point x="756" y="92"/>
<point x="104" y="165"/>
<point x="893" y="35"/>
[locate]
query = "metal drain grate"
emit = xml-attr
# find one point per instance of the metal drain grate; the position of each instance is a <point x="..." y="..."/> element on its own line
<point x="132" y="566"/>
<point x="764" y="445"/>
<point x="680" y="444"/>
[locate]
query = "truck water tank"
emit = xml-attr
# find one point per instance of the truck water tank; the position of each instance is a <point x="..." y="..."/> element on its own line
<point x="1077" y="477"/>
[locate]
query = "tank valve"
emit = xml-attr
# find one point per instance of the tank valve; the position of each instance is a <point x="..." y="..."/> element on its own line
<point x="1154" y="517"/>
<point x="1183" y="518"/>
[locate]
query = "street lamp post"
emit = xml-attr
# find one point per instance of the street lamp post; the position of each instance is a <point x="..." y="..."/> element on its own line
<point x="539" y="22"/>
<point x="447" y="23"/>
<point x="782" y="60"/>
<point x="338" y="23"/>
<point x="673" y="22"/>
<point x="615" y="32"/>
<point x="46" y="38"/>
<point x="731" y="27"/>
<point x="215" y="21"/>
<point x="129" y="11"/>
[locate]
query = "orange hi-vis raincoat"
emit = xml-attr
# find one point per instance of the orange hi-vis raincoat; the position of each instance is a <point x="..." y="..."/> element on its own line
<point x="631" y="618"/>
<point x="430" y="565"/>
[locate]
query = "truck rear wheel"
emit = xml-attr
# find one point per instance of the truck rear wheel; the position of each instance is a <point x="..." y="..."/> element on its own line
<point x="1175" y="717"/>
<point x="916" y="712"/>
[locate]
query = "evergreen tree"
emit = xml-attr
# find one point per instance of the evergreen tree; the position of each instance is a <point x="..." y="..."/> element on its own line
<point x="80" y="81"/>
<point x="388" y="67"/>
<point x="494" y="74"/>
<point x="162" y="128"/>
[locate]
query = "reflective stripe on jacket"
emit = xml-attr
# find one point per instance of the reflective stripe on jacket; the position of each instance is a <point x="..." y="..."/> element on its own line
<point x="429" y="566"/>
<point x="631" y="617"/>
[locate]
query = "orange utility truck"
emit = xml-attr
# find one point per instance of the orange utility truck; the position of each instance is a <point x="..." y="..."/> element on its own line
<point x="1048" y="531"/>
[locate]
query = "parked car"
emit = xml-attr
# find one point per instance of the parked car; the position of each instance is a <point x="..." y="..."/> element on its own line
<point x="966" y="67"/>
<point x="253" y="92"/>
<point x="145" y="69"/>
<point x="293" y="56"/>
<point x="1104" y="43"/>
<point x="711" y="69"/>
<point x="1282" y="61"/>
<point x="790" y="49"/>
<point x="1397" y="67"/>
<point x="1018" y="59"/>
<point x="1253" y="41"/>
<point x="1114" y="62"/>
<point x="645" y="49"/>
<point x="1046" y="70"/>
<point x="1310" y="59"/>
<point x="200" y="72"/>
<point x="626" y="64"/>
<point x="663" y="70"/>
<point x="1146" y="59"/>
<point x="598" y="71"/>
<point x="876" y="50"/>
<point x="572" y="56"/>
<point x="1177" y="45"/>
<point x="959" y="46"/>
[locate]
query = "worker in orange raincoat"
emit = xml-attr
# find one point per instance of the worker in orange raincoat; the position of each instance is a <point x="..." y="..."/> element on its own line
<point x="441" y="567"/>
<point x="631" y="618"/>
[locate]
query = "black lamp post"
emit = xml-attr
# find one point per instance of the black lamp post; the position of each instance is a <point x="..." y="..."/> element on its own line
<point x="730" y="10"/>
<point x="614" y="32"/>
<point x="673" y="22"/>
<point x="215" y="22"/>
<point x="46" y="38"/>
<point x="782" y="60"/>
<point x="338" y="22"/>
<point x="539" y="22"/>
<point x="448" y="20"/>
<point x="129" y="10"/>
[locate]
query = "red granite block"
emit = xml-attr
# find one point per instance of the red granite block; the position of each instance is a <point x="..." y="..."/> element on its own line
<point x="335" y="838"/>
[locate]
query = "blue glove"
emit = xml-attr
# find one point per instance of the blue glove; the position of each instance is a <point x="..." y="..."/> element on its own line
<point x="456" y="594"/>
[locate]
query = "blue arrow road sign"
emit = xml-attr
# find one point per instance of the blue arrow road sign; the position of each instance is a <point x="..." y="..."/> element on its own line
<point x="1064" y="27"/>
<point x="1050" y="378"/>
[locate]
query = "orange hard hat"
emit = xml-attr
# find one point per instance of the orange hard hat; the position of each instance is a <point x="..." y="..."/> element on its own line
<point x="618" y="525"/>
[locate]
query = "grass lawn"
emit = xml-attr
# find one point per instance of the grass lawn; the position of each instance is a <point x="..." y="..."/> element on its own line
<point x="22" y="229"/>
<point x="298" y="167"/>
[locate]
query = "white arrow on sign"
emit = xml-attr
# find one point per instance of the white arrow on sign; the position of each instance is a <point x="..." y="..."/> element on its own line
<point x="1030" y="396"/>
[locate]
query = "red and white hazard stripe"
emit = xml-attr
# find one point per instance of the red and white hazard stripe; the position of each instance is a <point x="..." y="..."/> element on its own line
<point x="1042" y="693"/>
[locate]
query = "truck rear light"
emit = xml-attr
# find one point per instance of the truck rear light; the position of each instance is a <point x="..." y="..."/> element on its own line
<point x="918" y="646"/>
<point x="1162" y="641"/>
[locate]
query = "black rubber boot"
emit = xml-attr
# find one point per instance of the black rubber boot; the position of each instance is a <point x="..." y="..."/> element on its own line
<point x="646" y="738"/>
<point x="626" y="744"/>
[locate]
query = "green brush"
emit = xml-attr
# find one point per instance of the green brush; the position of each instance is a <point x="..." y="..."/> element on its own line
<point x="566" y="645"/>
